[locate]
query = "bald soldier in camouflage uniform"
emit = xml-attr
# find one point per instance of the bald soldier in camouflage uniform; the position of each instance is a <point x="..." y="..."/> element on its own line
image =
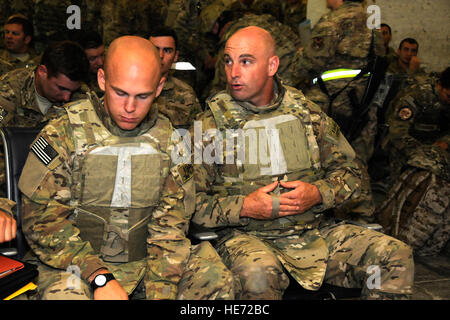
<point x="417" y="209"/>
<point x="286" y="40"/>
<point x="177" y="100"/>
<point x="270" y="190"/>
<point x="102" y="196"/>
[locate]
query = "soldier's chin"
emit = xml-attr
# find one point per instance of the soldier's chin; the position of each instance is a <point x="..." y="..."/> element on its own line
<point x="237" y="94"/>
<point x="127" y="125"/>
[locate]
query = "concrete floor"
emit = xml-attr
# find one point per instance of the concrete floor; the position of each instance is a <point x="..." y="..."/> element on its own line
<point x="432" y="278"/>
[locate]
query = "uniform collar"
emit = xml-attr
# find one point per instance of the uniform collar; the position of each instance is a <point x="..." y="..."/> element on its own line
<point x="278" y="96"/>
<point x="112" y="127"/>
<point x="169" y="84"/>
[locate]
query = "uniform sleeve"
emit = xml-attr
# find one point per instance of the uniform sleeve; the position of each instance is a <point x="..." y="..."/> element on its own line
<point x="168" y="247"/>
<point x="400" y="121"/>
<point x="7" y="205"/>
<point x="342" y="179"/>
<point x="8" y="100"/>
<point x="45" y="183"/>
<point x="214" y="209"/>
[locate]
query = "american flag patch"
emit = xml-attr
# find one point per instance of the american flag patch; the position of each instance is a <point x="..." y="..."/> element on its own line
<point x="44" y="151"/>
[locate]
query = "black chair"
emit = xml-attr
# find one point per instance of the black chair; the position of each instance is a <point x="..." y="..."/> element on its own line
<point x="16" y="146"/>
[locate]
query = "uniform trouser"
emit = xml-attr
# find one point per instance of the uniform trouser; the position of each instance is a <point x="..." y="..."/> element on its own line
<point x="205" y="277"/>
<point x="358" y="258"/>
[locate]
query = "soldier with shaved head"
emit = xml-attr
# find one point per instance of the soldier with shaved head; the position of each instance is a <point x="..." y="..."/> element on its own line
<point x="103" y="198"/>
<point x="284" y="167"/>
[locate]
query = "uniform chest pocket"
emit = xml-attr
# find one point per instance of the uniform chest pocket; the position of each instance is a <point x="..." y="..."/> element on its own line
<point x="122" y="177"/>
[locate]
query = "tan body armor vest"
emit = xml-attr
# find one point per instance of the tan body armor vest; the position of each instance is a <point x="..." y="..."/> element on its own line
<point x="117" y="184"/>
<point x="278" y="144"/>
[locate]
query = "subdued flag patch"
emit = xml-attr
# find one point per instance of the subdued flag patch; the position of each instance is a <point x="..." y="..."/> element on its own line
<point x="43" y="151"/>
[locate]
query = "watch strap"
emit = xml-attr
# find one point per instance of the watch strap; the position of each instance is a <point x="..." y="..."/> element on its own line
<point x="108" y="276"/>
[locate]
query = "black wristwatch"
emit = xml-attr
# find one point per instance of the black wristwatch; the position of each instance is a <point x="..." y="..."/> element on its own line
<point x="101" y="280"/>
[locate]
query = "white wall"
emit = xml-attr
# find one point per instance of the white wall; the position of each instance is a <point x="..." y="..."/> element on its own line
<point x="427" y="21"/>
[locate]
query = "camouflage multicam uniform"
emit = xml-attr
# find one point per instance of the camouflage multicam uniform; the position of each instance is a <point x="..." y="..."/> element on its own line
<point x="417" y="118"/>
<point x="341" y="39"/>
<point x="178" y="102"/>
<point x="294" y="12"/>
<point x="287" y="43"/>
<point x="183" y="17"/>
<point x="5" y="66"/>
<point x="417" y="209"/>
<point x="31" y="62"/>
<point x="391" y="54"/>
<point x="309" y="246"/>
<point x="120" y="17"/>
<point x="78" y="216"/>
<point x="395" y="68"/>
<point x="18" y="104"/>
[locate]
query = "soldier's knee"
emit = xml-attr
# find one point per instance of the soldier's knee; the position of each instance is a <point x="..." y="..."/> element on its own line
<point x="262" y="282"/>
<point x="397" y="272"/>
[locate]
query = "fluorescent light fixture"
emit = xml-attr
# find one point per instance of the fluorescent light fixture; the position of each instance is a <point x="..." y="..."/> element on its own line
<point x="182" y="66"/>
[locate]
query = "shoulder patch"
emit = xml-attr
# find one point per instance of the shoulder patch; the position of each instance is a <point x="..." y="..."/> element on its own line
<point x="43" y="151"/>
<point x="405" y="113"/>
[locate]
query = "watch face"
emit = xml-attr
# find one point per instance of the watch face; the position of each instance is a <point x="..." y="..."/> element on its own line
<point x="100" y="280"/>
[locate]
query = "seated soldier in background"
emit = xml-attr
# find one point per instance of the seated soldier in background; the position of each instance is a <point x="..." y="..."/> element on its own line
<point x="18" y="32"/>
<point x="92" y="44"/>
<point x="407" y="62"/>
<point x="330" y="71"/>
<point x="178" y="100"/>
<point x="31" y="97"/>
<point x="106" y="192"/>
<point x="386" y="33"/>
<point x="417" y="208"/>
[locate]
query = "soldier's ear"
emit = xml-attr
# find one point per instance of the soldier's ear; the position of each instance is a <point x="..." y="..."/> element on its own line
<point x="274" y="63"/>
<point x="42" y="71"/>
<point x="101" y="79"/>
<point x="176" y="56"/>
<point x="28" y="39"/>
<point x="160" y="86"/>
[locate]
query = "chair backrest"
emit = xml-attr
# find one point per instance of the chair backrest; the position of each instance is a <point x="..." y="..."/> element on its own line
<point x="16" y="145"/>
